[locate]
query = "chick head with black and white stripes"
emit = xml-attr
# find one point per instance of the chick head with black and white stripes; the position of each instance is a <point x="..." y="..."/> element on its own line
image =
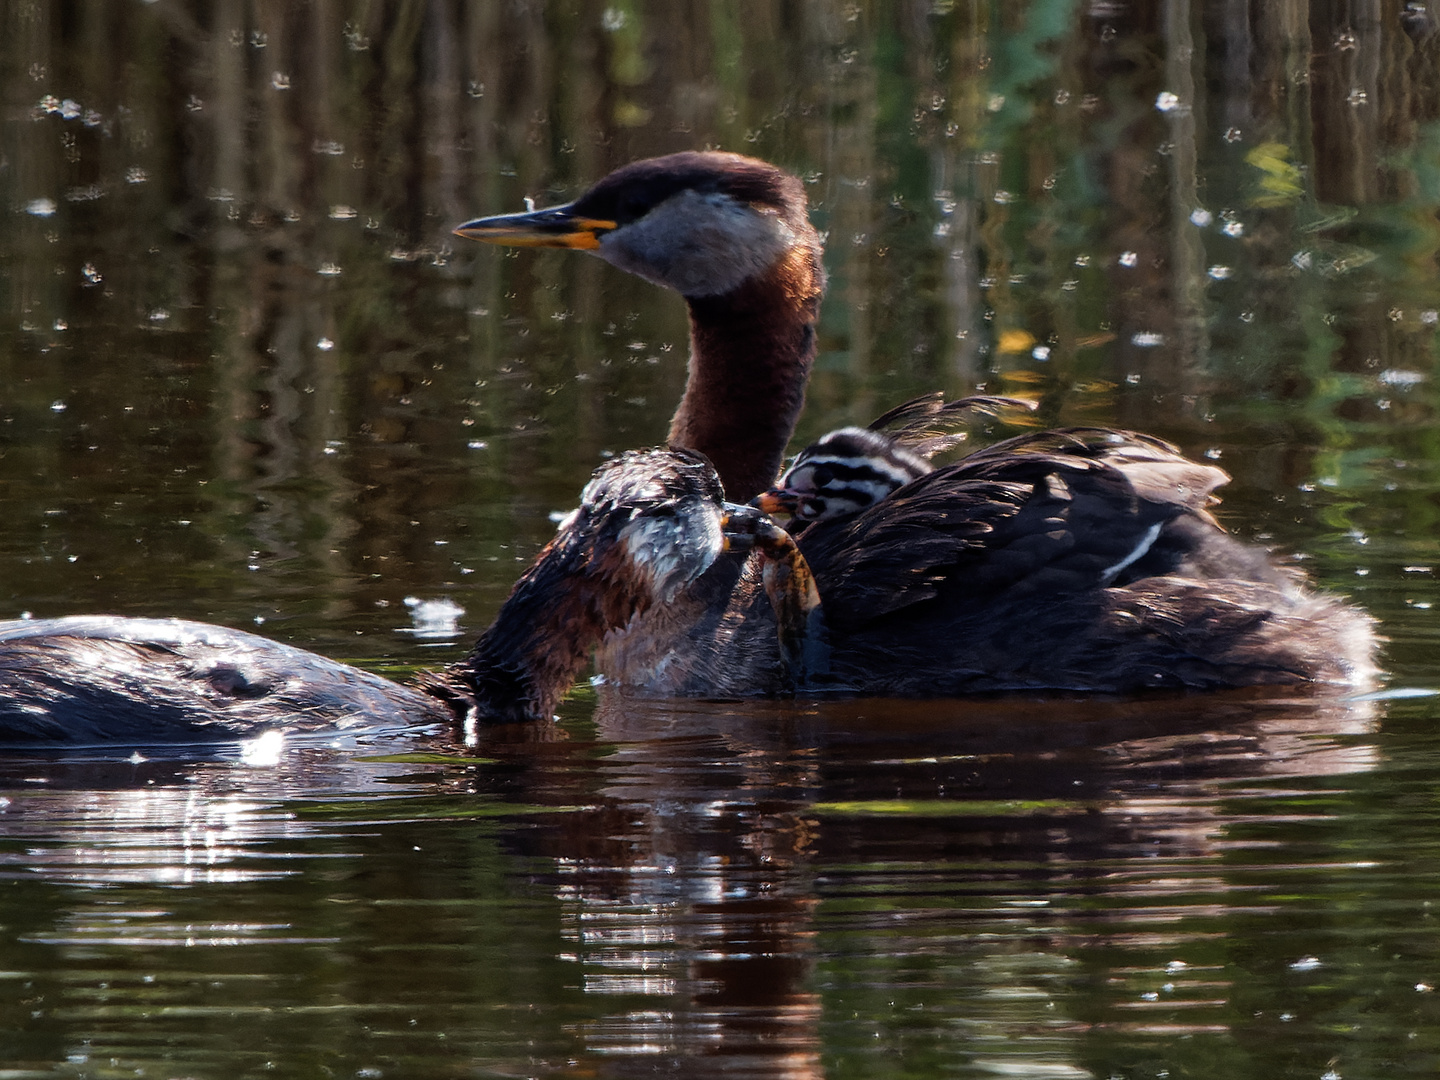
<point x="845" y="472"/>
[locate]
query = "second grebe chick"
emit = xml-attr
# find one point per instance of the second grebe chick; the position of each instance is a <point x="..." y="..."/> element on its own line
<point x="850" y="469"/>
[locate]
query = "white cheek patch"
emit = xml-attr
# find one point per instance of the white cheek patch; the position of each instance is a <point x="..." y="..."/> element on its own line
<point x="671" y="552"/>
<point x="698" y="244"/>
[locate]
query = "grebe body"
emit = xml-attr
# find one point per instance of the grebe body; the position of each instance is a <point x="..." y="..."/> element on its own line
<point x="95" y="679"/>
<point x="1081" y="559"/>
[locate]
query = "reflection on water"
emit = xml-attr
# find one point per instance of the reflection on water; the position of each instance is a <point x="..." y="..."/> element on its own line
<point x="245" y="377"/>
<point x="1061" y="888"/>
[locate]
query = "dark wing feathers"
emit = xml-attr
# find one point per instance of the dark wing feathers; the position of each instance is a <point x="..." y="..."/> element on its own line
<point x="1057" y="512"/>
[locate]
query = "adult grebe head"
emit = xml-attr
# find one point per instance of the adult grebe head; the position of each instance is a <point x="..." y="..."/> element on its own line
<point x="700" y="223"/>
<point x="732" y="236"/>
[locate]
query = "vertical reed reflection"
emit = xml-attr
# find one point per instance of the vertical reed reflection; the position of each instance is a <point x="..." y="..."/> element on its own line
<point x="247" y="210"/>
<point x="746" y="882"/>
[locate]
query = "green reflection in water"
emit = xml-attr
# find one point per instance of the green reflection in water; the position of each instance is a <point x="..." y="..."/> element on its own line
<point x="200" y="416"/>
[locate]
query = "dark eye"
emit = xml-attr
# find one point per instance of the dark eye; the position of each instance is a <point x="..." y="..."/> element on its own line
<point x="632" y="207"/>
<point x="822" y="475"/>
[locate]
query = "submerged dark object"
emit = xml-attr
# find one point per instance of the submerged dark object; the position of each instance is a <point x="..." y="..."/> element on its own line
<point x="98" y="678"/>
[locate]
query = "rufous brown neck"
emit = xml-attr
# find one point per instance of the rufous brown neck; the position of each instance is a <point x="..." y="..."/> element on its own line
<point x="542" y="637"/>
<point x="750" y="355"/>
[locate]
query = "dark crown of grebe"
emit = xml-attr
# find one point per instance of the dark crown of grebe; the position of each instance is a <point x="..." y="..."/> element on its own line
<point x="731" y="235"/>
<point x="852" y="468"/>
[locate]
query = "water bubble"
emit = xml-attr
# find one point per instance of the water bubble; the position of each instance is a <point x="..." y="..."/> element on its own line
<point x="58" y="406"/>
<point x="1302" y="260"/>
<point x="1128" y="258"/>
<point x="1400" y="377"/>
<point x="1233" y="228"/>
<point x="324" y="344"/>
<point x="341" y="212"/>
<point x="136" y="175"/>
<point x="69" y="109"/>
<point x="355" y="40"/>
<point x="1147" y="339"/>
<point x="613" y="19"/>
<point x="194" y="104"/>
<point x="1357" y="97"/>
<point x="329" y="269"/>
<point x="1233" y="135"/>
<point x="433" y="618"/>
<point x="1219" y="273"/>
<point x="280" y="81"/>
<point x="1167" y="102"/>
<point x="1201" y="218"/>
<point x="1041" y="352"/>
<point x="996" y="102"/>
<point x="40" y="207"/>
<point x="91" y="275"/>
<point x="1306" y="963"/>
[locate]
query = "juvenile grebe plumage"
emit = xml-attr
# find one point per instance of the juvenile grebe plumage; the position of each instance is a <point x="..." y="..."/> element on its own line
<point x="648" y="530"/>
<point x="850" y="469"/>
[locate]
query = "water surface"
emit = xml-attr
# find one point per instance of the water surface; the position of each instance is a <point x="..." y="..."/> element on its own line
<point x="247" y="376"/>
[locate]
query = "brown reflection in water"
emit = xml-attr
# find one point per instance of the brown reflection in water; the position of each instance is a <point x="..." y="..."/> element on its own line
<point x="729" y="870"/>
<point x="714" y="836"/>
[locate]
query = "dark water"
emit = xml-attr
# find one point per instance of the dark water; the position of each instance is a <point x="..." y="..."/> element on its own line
<point x="247" y="376"/>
